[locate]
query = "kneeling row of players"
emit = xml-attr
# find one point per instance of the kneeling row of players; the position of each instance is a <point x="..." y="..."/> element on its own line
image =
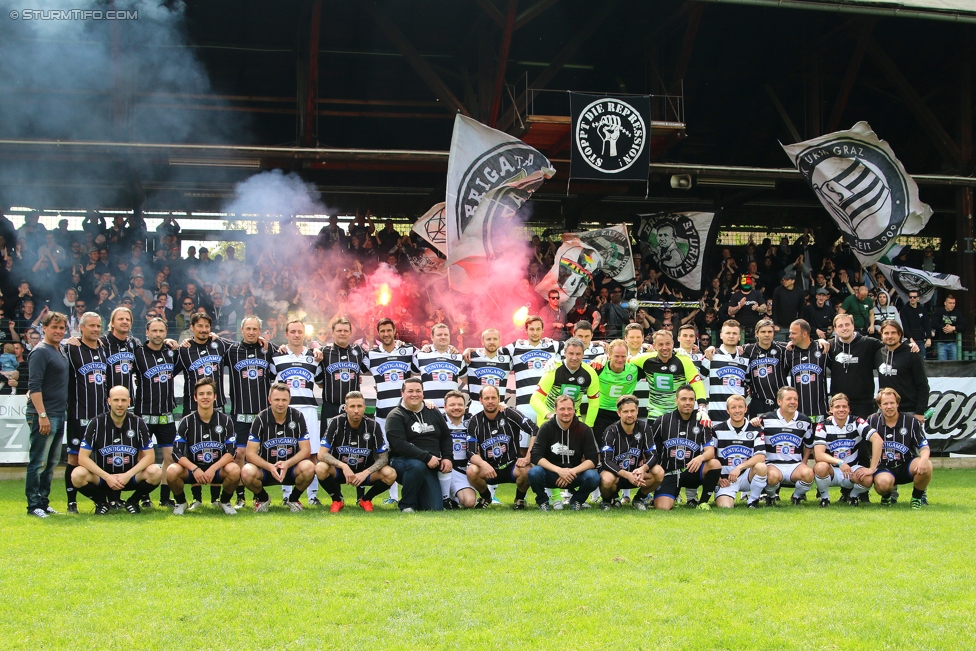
<point x="500" y="445"/>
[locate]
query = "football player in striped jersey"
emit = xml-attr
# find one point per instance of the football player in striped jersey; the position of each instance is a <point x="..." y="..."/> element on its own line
<point x="788" y="436"/>
<point x="726" y="371"/>
<point x="742" y="452"/>
<point x="905" y="452"/>
<point x="836" y="443"/>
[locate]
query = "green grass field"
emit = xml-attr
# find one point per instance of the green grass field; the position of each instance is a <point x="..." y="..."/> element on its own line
<point x="779" y="578"/>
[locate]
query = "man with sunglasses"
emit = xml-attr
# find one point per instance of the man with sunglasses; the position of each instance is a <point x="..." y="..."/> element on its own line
<point x="553" y="317"/>
<point x="915" y="321"/>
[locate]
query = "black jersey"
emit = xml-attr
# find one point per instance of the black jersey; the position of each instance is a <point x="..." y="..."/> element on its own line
<point x="116" y="449"/>
<point x="736" y="445"/>
<point x="339" y="371"/>
<point x="623" y="451"/>
<point x="765" y="376"/>
<point x="278" y="441"/>
<point x="88" y="383"/>
<point x="155" y="393"/>
<point x="356" y="447"/>
<point x="389" y="370"/>
<point x="785" y="439"/>
<point x="202" y="442"/>
<point x="199" y="361"/>
<point x="251" y="371"/>
<point x="461" y="441"/>
<point x="497" y="440"/>
<point x="677" y="441"/>
<point x="488" y="371"/>
<point x="843" y="441"/>
<point x="902" y="443"/>
<point x="121" y="361"/>
<point x="807" y="370"/>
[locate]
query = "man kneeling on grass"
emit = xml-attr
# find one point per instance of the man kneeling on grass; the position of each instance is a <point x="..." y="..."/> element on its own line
<point x="353" y="451"/>
<point x="494" y="434"/>
<point x="628" y="458"/>
<point x="123" y="456"/>
<point x="565" y="456"/>
<point x="203" y="453"/>
<point x="277" y="451"/>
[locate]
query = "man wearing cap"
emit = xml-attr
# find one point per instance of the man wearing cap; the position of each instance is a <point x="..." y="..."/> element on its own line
<point x="820" y="313"/>
<point x="787" y="302"/>
<point x="746" y="305"/>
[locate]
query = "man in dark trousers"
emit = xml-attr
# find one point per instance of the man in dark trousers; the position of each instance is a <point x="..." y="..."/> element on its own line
<point x="565" y="456"/>
<point x="915" y="320"/>
<point x="946" y="325"/>
<point x="420" y="447"/>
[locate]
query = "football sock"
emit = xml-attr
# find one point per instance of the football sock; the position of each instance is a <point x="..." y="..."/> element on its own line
<point x="214" y="493"/>
<point x="180" y="497"/>
<point x="520" y="494"/>
<point x="709" y="482"/>
<point x="164" y="493"/>
<point x="360" y="491"/>
<point x="801" y="488"/>
<point x="92" y="492"/>
<point x="285" y="492"/>
<point x="823" y="487"/>
<point x="262" y="496"/>
<point x="331" y="486"/>
<point x="773" y="490"/>
<point x="756" y="487"/>
<point x="485" y="494"/>
<point x="858" y="490"/>
<point x="68" y="486"/>
<point x="374" y="491"/>
<point x="917" y="493"/>
<point x="143" y="488"/>
<point x="313" y="488"/>
<point x="492" y="489"/>
<point x="395" y="492"/>
<point x="225" y="497"/>
<point x="240" y="492"/>
<point x="295" y="496"/>
<point x="445" y="481"/>
<point x="197" y="493"/>
<point x="691" y="494"/>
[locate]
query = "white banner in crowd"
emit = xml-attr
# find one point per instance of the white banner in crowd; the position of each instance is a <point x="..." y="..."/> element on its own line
<point x="14" y="433"/>
<point x="581" y="254"/>
<point x="863" y="186"/>
<point x="906" y="279"/>
<point x="490" y="174"/>
<point x="677" y="243"/>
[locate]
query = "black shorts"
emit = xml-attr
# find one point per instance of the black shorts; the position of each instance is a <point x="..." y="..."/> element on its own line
<point x="218" y="479"/>
<point x="604" y="419"/>
<point x="758" y="407"/>
<point x="241" y="431"/>
<point x="329" y="410"/>
<point x="504" y="476"/>
<point x="674" y="482"/>
<point x="624" y="484"/>
<point x="165" y="435"/>
<point x="341" y="478"/>
<point x="131" y="486"/>
<point x="75" y="434"/>
<point x="289" y="479"/>
<point x="902" y="473"/>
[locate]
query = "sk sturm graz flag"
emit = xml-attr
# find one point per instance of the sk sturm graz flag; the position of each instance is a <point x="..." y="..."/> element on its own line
<point x="677" y="241"/>
<point x="863" y="186"/>
<point x="490" y="175"/>
<point x="906" y="279"/>
<point x="611" y="137"/>
<point x="432" y="228"/>
<point x="582" y="254"/>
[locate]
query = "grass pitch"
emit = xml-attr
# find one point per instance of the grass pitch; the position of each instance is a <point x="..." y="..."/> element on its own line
<point x="780" y="578"/>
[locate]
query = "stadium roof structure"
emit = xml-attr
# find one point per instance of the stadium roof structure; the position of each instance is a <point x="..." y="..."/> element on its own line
<point x="945" y="10"/>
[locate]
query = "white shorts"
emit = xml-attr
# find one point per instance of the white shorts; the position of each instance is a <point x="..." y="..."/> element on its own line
<point x="459" y="481"/>
<point x="531" y="414"/>
<point x="839" y="480"/>
<point x="787" y="469"/>
<point x="311" y="415"/>
<point x="742" y="485"/>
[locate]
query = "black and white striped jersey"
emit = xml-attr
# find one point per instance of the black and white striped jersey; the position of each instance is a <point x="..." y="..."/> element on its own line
<point x="461" y="441"/>
<point x="594" y="350"/>
<point x="204" y="442"/>
<point x="767" y="372"/>
<point x="484" y="370"/>
<point x="785" y="439"/>
<point x="197" y="362"/>
<point x="299" y="371"/>
<point x="497" y="440"/>
<point x="389" y="370"/>
<point x="529" y="364"/>
<point x="440" y="373"/>
<point x="339" y="371"/>
<point x="251" y="371"/>
<point x="735" y="445"/>
<point x="88" y="383"/>
<point x="155" y="391"/>
<point x="807" y="371"/>
<point x="278" y="441"/>
<point x="623" y="451"/>
<point x="902" y="443"/>
<point x="121" y="361"/>
<point x="356" y="447"/>
<point x="116" y="448"/>
<point x="843" y="440"/>
<point x="726" y="377"/>
<point x="678" y="441"/>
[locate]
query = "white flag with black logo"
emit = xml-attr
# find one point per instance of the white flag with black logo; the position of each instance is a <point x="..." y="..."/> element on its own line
<point x="490" y="175"/>
<point x="863" y="186"/>
<point x="581" y="255"/>
<point x="906" y="279"/>
<point x="676" y="242"/>
<point x="431" y="227"/>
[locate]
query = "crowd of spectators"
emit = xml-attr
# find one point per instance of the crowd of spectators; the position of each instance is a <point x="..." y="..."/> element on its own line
<point x="122" y="263"/>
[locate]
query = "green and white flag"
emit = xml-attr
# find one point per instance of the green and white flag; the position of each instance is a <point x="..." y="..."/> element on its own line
<point x="676" y="241"/>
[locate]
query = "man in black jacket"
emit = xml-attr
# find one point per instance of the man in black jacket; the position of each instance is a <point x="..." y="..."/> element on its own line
<point x="564" y="456"/>
<point x="902" y="370"/>
<point x="915" y="320"/>
<point x="946" y="326"/>
<point x="420" y="446"/>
